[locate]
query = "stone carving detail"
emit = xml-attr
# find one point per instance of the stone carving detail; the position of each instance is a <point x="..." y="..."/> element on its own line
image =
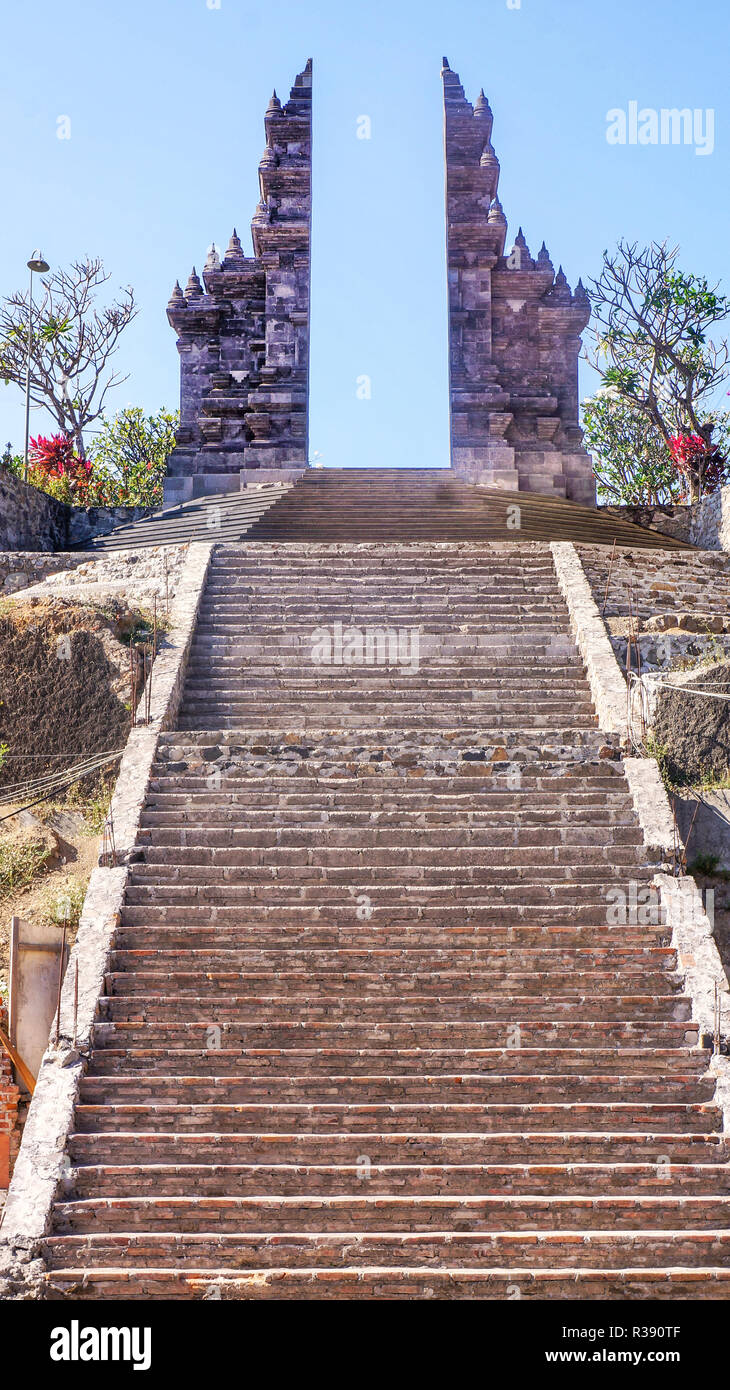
<point x="514" y="329"/>
<point x="243" y="333"/>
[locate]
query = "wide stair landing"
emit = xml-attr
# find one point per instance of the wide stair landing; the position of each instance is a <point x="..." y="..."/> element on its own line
<point x="368" y="1030"/>
<point x="397" y="504"/>
<point x="380" y="504"/>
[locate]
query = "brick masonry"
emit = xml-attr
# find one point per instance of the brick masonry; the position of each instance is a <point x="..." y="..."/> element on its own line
<point x="514" y="329"/>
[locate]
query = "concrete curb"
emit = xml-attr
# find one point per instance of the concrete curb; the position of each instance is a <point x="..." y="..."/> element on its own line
<point x="698" y="957"/>
<point x="608" y="687"/>
<point x="42" y="1160"/>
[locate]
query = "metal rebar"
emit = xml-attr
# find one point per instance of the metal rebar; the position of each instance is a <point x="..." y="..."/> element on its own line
<point x="608" y="577"/>
<point x="60" y="981"/>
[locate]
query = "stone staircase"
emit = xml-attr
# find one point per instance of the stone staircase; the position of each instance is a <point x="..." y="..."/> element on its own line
<point x="368" y="1030"/>
<point x="225" y="516"/>
<point x="416" y="504"/>
<point x="383" y="504"/>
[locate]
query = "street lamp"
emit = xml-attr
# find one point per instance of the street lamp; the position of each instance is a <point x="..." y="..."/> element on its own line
<point x="37" y="264"/>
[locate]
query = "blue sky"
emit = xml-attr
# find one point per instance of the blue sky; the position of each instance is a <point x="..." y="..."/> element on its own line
<point x="166" y="101"/>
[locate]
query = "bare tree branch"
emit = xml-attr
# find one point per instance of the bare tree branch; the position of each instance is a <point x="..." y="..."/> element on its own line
<point x="71" y="342"/>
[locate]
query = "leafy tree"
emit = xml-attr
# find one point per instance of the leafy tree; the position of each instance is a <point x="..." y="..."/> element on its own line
<point x="651" y="346"/>
<point x="630" y="457"/>
<point x="71" y="343"/>
<point x="131" y="453"/>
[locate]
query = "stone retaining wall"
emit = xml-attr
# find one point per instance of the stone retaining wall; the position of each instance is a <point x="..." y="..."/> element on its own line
<point x="41" y="1161"/>
<point x="662" y="581"/>
<point x="705" y="524"/>
<point x="680" y="900"/>
<point x="29" y="519"/>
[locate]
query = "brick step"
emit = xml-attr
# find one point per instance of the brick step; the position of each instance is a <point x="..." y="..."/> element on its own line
<point x="371" y="1215"/>
<point x="295" y="863"/>
<point x="293" y="866"/>
<point x="414" y="1180"/>
<point x="613" y="1249"/>
<point x="370" y="935"/>
<point x="397" y="1116"/>
<point x="475" y="1007"/>
<point x="412" y="826"/>
<point x="652" y="1039"/>
<point x="530" y="1147"/>
<point x="418" y="1085"/>
<point x="396" y="985"/>
<point x="577" y="829"/>
<point x="675" y="1066"/>
<point x="421" y="963"/>
<point x="388" y="1284"/>
<point x="398" y="901"/>
<point x="517" y="897"/>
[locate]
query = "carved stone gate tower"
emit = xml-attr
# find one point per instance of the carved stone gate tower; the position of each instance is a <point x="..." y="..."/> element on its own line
<point x="514" y="330"/>
<point x="243" y="334"/>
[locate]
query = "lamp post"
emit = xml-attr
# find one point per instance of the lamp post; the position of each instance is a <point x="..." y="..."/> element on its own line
<point x="38" y="264"/>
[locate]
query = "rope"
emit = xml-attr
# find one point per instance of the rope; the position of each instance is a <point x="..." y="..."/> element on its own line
<point x="41" y="788"/>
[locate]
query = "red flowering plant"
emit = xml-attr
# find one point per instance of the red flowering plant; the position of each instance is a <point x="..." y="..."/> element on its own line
<point x="701" y="465"/>
<point x="56" y="468"/>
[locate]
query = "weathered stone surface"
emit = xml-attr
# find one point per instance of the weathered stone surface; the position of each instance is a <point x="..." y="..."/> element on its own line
<point x="514" y="330"/>
<point x="243" y="334"/>
<point x="42" y="1162"/>
<point x="29" y="519"/>
<point x="607" y="686"/>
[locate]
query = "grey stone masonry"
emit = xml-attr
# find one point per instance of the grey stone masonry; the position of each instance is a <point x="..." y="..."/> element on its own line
<point x="514" y="330"/>
<point x="30" y="519"/>
<point x="243" y="334"/>
<point x="42" y="1163"/>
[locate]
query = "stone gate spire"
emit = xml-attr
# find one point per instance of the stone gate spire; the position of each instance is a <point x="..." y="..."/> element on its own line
<point x="514" y="329"/>
<point x="244" y="338"/>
